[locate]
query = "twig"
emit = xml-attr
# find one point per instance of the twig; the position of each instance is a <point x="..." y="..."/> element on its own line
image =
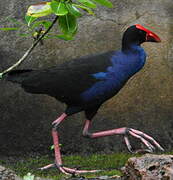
<point x="29" y="50"/>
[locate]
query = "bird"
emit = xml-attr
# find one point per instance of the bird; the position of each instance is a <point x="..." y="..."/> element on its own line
<point x="85" y="83"/>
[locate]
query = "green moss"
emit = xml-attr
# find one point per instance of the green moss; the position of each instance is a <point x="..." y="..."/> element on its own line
<point x="110" y="165"/>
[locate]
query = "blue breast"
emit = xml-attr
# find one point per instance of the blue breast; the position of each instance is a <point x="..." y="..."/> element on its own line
<point x="124" y="66"/>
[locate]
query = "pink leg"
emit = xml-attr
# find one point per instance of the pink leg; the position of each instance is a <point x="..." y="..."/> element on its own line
<point x="58" y="159"/>
<point x="59" y="120"/>
<point x="124" y="131"/>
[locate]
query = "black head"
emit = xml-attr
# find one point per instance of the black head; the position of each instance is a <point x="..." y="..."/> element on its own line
<point x="137" y="35"/>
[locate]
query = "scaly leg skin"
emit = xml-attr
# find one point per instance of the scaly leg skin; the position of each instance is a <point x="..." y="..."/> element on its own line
<point x="59" y="120"/>
<point x="144" y="138"/>
<point x="120" y="131"/>
<point x="58" y="160"/>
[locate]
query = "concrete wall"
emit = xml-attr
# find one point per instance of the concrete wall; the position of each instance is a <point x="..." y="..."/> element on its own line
<point x="145" y="103"/>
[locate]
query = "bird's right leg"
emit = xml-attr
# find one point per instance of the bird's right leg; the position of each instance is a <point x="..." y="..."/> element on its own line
<point x="144" y="138"/>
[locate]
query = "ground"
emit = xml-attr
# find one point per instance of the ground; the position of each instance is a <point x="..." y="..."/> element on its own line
<point x="110" y="164"/>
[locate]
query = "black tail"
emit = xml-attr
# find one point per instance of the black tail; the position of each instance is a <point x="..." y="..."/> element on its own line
<point x="17" y="76"/>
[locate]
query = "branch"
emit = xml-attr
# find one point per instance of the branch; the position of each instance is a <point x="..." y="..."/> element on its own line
<point x="29" y="50"/>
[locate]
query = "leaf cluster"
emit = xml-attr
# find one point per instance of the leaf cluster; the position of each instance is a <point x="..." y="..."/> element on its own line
<point x="68" y="12"/>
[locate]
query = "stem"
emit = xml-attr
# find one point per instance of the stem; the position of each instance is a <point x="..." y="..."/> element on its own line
<point x="29" y="50"/>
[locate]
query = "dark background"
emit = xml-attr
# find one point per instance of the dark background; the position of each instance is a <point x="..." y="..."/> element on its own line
<point x="145" y="103"/>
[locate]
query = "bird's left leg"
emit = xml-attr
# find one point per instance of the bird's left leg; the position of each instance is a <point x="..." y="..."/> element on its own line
<point x="144" y="138"/>
<point x="58" y="160"/>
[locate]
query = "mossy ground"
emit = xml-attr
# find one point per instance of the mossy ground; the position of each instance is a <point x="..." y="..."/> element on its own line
<point x="109" y="163"/>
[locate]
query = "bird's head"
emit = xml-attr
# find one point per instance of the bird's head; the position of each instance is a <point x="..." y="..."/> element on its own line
<point x="138" y="34"/>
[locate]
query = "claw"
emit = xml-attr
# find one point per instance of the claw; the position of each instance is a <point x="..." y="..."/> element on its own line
<point x="127" y="142"/>
<point x="141" y="151"/>
<point x="147" y="137"/>
<point x="144" y="138"/>
<point x="150" y="147"/>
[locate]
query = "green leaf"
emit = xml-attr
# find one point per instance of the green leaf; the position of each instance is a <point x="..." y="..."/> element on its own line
<point x="59" y="8"/>
<point x="65" y="37"/>
<point x="88" y="10"/>
<point x="68" y="24"/>
<point x="73" y="10"/>
<point x="87" y="3"/>
<point x="39" y="10"/>
<point x="1" y="75"/>
<point x="52" y="147"/>
<point x="30" y="19"/>
<point x="106" y="3"/>
<point x="46" y="24"/>
<point x="9" y="29"/>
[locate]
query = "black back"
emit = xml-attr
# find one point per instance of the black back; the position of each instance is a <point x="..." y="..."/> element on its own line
<point x="67" y="81"/>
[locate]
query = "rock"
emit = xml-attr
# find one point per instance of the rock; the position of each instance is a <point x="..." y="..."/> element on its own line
<point x="149" y="167"/>
<point x="7" y="174"/>
<point x="146" y="167"/>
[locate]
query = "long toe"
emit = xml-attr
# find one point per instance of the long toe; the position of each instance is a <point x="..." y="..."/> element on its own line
<point x="47" y="166"/>
<point x="76" y="171"/>
<point x="147" y="140"/>
<point x="68" y="171"/>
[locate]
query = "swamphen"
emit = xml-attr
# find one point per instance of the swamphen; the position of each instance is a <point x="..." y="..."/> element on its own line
<point x="84" y="84"/>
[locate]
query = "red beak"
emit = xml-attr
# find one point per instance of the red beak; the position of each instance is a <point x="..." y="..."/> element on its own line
<point x="150" y="36"/>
